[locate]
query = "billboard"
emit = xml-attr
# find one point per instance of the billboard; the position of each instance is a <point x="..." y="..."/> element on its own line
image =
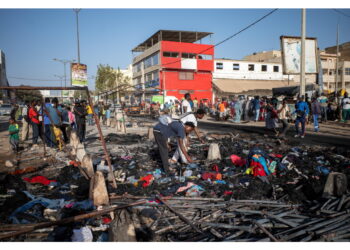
<point x="291" y="55"/>
<point x="79" y="74"/>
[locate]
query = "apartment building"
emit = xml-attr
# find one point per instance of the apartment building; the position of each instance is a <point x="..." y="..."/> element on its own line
<point x="174" y="63"/>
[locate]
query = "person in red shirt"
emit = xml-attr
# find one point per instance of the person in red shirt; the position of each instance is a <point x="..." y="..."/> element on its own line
<point x="34" y="119"/>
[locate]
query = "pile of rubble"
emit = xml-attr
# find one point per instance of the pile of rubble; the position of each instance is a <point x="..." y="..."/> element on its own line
<point x="238" y="189"/>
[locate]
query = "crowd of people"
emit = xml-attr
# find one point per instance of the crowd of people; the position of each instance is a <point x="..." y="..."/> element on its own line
<point x="50" y="121"/>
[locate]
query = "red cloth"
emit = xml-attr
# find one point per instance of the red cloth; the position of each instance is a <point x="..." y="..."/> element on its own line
<point x="215" y="168"/>
<point x="33" y="114"/>
<point x="228" y="192"/>
<point x="258" y="169"/>
<point x="106" y="220"/>
<point x="276" y="155"/>
<point x="238" y="161"/>
<point x="212" y="176"/>
<point x="39" y="179"/>
<point x="147" y="180"/>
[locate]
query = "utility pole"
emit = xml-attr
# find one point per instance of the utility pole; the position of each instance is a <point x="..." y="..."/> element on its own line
<point x="336" y="66"/>
<point x="77" y="21"/>
<point x="302" y="59"/>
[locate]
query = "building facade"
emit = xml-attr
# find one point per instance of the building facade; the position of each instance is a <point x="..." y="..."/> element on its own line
<point x="232" y="77"/>
<point x="171" y="63"/>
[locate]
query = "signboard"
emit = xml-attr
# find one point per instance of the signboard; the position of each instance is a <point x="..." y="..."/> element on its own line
<point x="291" y="55"/>
<point x="188" y="63"/>
<point x="79" y="75"/>
<point x="65" y="93"/>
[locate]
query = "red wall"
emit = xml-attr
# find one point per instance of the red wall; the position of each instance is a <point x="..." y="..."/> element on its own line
<point x="201" y="85"/>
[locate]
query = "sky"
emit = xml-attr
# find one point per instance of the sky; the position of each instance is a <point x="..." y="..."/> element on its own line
<point x="31" y="38"/>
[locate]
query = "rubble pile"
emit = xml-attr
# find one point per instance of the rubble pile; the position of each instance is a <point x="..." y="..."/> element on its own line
<point x="237" y="189"/>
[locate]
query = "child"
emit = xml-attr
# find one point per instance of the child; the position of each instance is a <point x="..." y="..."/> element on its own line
<point x="71" y="118"/>
<point x="14" y="137"/>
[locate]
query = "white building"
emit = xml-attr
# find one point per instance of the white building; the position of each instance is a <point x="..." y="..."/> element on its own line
<point x="232" y="77"/>
<point x="250" y="70"/>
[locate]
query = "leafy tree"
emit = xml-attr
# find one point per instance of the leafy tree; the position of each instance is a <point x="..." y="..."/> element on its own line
<point x="28" y="95"/>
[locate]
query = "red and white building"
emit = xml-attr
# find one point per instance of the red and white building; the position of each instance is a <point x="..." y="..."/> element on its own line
<point x="174" y="62"/>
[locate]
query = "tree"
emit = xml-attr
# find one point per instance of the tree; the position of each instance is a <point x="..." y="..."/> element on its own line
<point x="28" y="95"/>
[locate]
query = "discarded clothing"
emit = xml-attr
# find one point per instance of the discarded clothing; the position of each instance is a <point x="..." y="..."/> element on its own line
<point x="211" y="176"/>
<point x="238" y="161"/>
<point x="83" y="234"/>
<point x="147" y="180"/>
<point x="52" y="204"/>
<point x="194" y="191"/>
<point x="189" y="185"/>
<point x="39" y="179"/>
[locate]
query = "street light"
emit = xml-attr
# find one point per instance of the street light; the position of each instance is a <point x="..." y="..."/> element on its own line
<point x="64" y="68"/>
<point x="77" y="19"/>
<point x="61" y="78"/>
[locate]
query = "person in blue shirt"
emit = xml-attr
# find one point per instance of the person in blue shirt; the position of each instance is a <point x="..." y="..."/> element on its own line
<point x="174" y="129"/>
<point x="49" y="139"/>
<point x="302" y="111"/>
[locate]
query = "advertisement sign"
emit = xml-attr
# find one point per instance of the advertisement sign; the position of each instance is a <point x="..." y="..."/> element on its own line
<point x="79" y="75"/>
<point x="291" y="55"/>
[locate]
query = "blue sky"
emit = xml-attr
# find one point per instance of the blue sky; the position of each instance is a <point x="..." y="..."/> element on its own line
<point x="31" y="38"/>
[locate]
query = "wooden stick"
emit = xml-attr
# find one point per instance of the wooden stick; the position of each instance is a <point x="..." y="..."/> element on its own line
<point x="180" y="215"/>
<point x="266" y="231"/>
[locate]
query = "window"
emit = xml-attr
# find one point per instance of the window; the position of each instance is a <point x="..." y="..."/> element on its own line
<point x="148" y="77"/>
<point x="331" y="72"/>
<point x="251" y="67"/>
<point x="236" y="66"/>
<point x="325" y="71"/>
<point x="205" y="57"/>
<point x="347" y="71"/>
<point x="170" y="54"/>
<point x="276" y="69"/>
<point x="186" y="76"/>
<point x="219" y="65"/>
<point x="155" y="60"/>
<point x="188" y="55"/>
<point x="339" y="71"/>
<point x="264" y="68"/>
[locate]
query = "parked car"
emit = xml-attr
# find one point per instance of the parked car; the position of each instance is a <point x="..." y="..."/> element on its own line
<point x="5" y="109"/>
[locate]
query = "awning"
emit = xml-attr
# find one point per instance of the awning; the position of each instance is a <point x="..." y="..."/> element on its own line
<point x="238" y="86"/>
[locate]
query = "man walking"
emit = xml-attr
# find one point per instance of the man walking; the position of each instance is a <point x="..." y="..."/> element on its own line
<point x="323" y="100"/>
<point x="302" y="111"/>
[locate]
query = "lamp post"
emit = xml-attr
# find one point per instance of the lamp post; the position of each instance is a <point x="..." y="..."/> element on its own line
<point x="77" y="22"/>
<point x="64" y="68"/>
<point x="61" y="78"/>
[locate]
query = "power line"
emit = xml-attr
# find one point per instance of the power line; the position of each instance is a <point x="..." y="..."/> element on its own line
<point x="232" y="36"/>
<point x="342" y="13"/>
<point x="31" y="79"/>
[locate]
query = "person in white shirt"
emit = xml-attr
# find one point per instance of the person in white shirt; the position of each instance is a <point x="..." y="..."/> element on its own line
<point x="346" y="108"/>
<point x="185" y="105"/>
<point x="283" y="113"/>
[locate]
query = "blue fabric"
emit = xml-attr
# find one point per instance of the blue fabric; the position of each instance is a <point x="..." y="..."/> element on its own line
<point x="316" y="122"/>
<point x="256" y="104"/>
<point x="108" y="113"/>
<point x="52" y="204"/>
<point x="174" y="129"/>
<point x="46" y="118"/>
<point x="84" y="205"/>
<point x="238" y="110"/>
<point x="257" y="112"/>
<point x="53" y="113"/>
<point x="302" y="106"/>
<point x="301" y="120"/>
